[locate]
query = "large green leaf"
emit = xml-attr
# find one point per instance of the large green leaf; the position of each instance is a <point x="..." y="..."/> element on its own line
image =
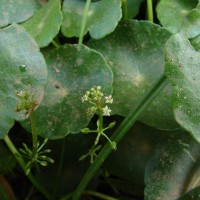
<point x="102" y="17"/>
<point x="16" y="10"/>
<point x="22" y="67"/>
<point x="173" y="168"/>
<point x="183" y="71"/>
<point x="135" y="54"/>
<point x="45" y="24"/>
<point x="72" y="70"/>
<point x="171" y="13"/>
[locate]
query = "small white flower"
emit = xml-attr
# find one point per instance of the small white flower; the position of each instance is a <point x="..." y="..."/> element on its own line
<point x="109" y="99"/>
<point x="98" y="87"/>
<point x="106" y="111"/>
<point x="84" y="98"/>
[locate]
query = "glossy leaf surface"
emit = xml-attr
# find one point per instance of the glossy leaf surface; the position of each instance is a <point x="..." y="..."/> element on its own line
<point x="102" y="18"/>
<point x="135" y="53"/>
<point x="183" y="71"/>
<point x="72" y="70"/>
<point x="45" y="24"/>
<point x="171" y="13"/>
<point x="14" y="11"/>
<point x="171" y="170"/>
<point x="22" y="68"/>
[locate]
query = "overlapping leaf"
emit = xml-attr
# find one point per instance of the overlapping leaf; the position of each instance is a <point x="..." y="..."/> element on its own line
<point x="134" y="152"/>
<point x="102" y="18"/>
<point x="45" y="24"/>
<point x="72" y="70"/>
<point x="183" y="71"/>
<point x="16" y="10"/>
<point x="173" y="169"/>
<point x="191" y="24"/>
<point x="195" y="42"/>
<point x="135" y="54"/>
<point x="22" y="68"/>
<point x="133" y="7"/>
<point x="171" y="13"/>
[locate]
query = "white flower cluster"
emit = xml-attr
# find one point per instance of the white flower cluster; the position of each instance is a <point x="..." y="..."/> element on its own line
<point x="95" y="97"/>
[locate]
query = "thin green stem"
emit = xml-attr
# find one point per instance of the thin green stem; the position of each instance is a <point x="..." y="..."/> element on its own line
<point x="84" y="21"/>
<point x="100" y="124"/>
<point x="23" y="166"/>
<point x="91" y="193"/>
<point x="55" y="44"/>
<point x="34" y="134"/>
<point x="106" y="137"/>
<point x="60" y="167"/>
<point x="100" y="120"/>
<point x="150" y="10"/>
<point x="196" y="183"/>
<point x="99" y="195"/>
<point x="124" y="9"/>
<point x="120" y="133"/>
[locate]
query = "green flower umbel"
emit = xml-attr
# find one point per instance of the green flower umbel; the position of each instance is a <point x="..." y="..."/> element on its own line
<point x="98" y="103"/>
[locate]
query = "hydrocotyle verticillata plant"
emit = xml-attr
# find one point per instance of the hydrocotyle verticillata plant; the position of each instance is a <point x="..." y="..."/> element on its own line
<point x="141" y="59"/>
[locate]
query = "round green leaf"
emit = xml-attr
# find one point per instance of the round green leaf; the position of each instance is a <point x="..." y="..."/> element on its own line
<point x="135" y="54"/>
<point x="45" y="24"/>
<point x="102" y="18"/>
<point x="16" y="10"/>
<point x="171" y="13"/>
<point x="172" y="167"/>
<point x="72" y="70"/>
<point x="183" y="71"/>
<point x="22" y="68"/>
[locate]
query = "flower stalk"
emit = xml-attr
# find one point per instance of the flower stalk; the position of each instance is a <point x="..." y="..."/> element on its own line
<point x="98" y="102"/>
